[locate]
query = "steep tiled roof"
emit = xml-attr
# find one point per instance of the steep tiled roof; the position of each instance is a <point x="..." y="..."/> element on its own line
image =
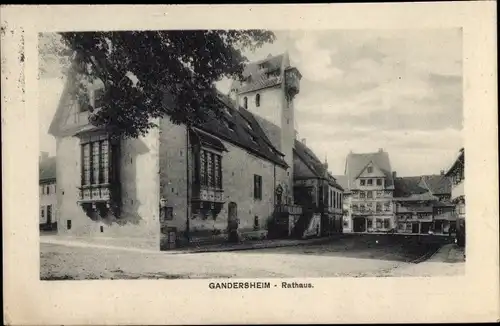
<point x="257" y="74"/>
<point x="355" y="163"/>
<point x="309" y="158"/>
<point x="406" y="186"/>
<point x="341" y="180"/>
<point x="313" y="163"/>
<point x="458" y="160"/>
<point x="238" y="126"/>
<point x="47" y="169"/>
<point x="438" y="184"/>
<point x="426" y="196"/>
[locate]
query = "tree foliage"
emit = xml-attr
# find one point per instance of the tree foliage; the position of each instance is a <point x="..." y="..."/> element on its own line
<point x="139" y="68"/>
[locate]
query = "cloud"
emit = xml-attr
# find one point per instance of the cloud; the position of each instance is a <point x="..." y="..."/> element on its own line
<point x="315" y="62"/>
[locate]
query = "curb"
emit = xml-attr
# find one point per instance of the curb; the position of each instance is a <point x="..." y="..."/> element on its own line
<point x="428" y="255"/>
<point x="251" y="247"/>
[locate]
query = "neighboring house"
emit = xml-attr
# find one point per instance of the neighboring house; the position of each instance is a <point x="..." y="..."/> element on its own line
<point x="370" y="187"/>
<point x="225" y="179"/>
<point x="456" y="176"/>
<point x="418" y="210"/>
<point x="316" y="191"/>
<point x="47" y="192"/>
<point x="346" y="204"/>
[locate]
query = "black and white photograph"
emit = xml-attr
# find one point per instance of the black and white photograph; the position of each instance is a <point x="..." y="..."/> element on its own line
<point x="250" y="164"/>
<point x="251" y="153"/>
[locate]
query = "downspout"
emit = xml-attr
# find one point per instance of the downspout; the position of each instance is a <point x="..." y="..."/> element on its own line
<point x="187" y="184"/>
<point x="274" y="185"/>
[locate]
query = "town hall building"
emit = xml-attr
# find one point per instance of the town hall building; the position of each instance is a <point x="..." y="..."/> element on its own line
<point x="230" y="178"/>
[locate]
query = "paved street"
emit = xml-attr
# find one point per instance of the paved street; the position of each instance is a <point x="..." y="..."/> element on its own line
<point x="352" y="257"/>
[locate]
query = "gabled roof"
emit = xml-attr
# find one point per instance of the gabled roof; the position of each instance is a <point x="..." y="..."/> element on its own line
<point x="426" y="196"/>
<point x="437" y="184"/>
<point x="407" y="186"/>
<point x="366" y="167"/>
<point x="47" y="169"/>
<point x="256" y="74"/>
<point x="355" y="163"/>
<point x="307" y="156"/>
<point x="341" y="180"/>
<point x="458" y="160"/>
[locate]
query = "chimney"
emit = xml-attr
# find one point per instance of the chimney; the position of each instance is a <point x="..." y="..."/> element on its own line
<point x="380" y="150"/>
<point x="269" y="55"/>
<point x="303" y="141"/>
<point x="394" y="174"/>
<point x="442" y="172"/>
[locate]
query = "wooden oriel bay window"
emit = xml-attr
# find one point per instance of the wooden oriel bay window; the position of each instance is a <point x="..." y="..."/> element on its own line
<point x="99" y="176"/>
<point x="209" y="169"/>
<point x="95" y="162"/>
<point x="207" y="188"/>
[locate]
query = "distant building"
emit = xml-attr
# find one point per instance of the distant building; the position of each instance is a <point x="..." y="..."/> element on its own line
<point x="457" y="178"/>
<point x="370" y="187"/>
<point x="346" y="203"/>
<point x="421" y="205"/>
<point x="47" y="192"/>
<point x="317" y="191"/>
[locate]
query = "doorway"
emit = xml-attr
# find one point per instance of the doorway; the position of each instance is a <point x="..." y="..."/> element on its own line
<point x="415" y="228"/>
<point x="232" y="222"/>
<point x="358" y="224"/>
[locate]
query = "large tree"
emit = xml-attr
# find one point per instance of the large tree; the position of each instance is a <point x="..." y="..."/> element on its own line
<point x="138" y="69"/>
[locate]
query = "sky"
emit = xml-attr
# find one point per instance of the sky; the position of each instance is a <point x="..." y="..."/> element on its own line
<point x="361" y="90"/>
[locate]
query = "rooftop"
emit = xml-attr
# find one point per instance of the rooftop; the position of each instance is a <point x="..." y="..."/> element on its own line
<point x="355" y="163"/>
<point x="239" y="126"/>
<point x="262" y="74"/>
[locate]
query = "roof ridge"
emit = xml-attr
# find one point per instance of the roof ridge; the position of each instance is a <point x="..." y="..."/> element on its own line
<point x="266" y="59"/>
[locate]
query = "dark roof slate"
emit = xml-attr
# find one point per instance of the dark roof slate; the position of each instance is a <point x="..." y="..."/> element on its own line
<point x="314" y="164"/>
<point x="438" y="184"/>
<point x="239" y="126"/>
<point x="407" y="186"/>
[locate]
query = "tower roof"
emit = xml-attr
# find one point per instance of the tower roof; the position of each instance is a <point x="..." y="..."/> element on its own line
<point x="262" y="74"/>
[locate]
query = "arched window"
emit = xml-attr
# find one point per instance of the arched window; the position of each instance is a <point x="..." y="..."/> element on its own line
<point x="257" y="100"/>
<point x="245" y="102"/>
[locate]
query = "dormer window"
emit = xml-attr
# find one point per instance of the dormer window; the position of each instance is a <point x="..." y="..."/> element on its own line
<point x="369" y="169"/>
<point x="245" y="102"/>
<point x="257" y="100"/>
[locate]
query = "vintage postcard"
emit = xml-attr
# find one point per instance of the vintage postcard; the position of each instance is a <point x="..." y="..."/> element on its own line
<point x="250" y="164"/>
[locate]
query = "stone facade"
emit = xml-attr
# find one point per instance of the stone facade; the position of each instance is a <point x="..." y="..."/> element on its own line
<point x="139" y="185"/>
<point x="238" y="169"/>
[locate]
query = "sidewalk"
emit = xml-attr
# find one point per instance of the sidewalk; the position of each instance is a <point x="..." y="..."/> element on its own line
<point x="449" y="260"/>
<point x="221" y="247"/>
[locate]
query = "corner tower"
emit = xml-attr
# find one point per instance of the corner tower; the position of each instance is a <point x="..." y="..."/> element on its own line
<point x="268" y="90"/>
